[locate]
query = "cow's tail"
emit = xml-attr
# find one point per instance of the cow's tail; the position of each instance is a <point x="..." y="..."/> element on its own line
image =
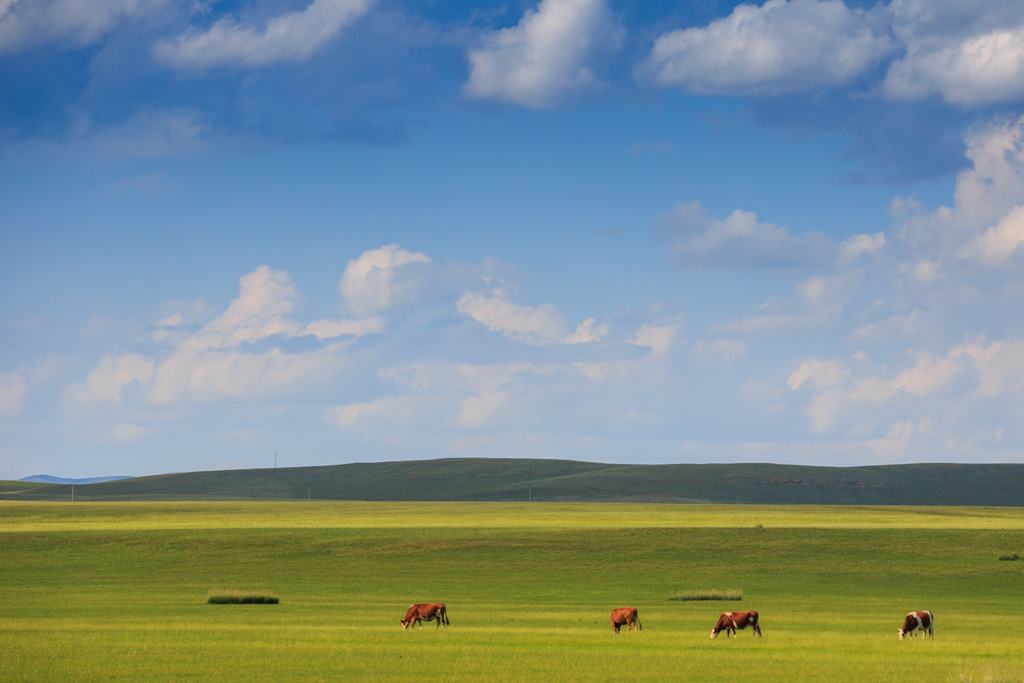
<point x="639" y="625"/>
<point x="444" y="615"/>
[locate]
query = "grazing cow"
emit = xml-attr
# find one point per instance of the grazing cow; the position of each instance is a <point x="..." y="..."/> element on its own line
<point x="425" y="611"/>
<point x="918" y="621"/>
<point x="730" y="621"/>
<point x="625" y="616"/>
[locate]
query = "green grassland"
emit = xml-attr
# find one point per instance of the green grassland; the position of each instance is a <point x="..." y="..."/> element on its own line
<point x="514" y="479"/>
<point x="117" y="591"/>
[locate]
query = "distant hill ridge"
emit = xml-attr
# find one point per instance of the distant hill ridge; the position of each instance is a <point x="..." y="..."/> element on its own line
<point x="50" y="479"/>
<point x="484" y="479"/>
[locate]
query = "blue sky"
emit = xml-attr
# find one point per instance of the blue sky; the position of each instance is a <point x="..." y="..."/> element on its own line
<point x="635" y="232"/>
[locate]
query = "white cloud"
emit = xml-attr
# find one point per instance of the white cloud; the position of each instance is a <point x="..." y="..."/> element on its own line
<point x="347" y="416"/>
<point x="899" y="325"/>
<point x="545" y="57"/>
<point x="926" y="271"/>
<point x="740" y="240"/>
<point x="924" y="377"/>
<point x="477" y="411"/>
<point x="24" y="23"/>
<point x="856" y="246"/>
<point x="331" y="329"/>
<point x="658" y="338"/>
<point x="817" y="373"/>
<point x="238" y="354"/>
<point x="541" y="324"/>
<point x="12" y="394"/>
<point x="112" y="375"/>
<point x="897" y="440"/>
<point x="997" y="245"/>
<point x="994" y="184"/>
<point x="586" y="332"/>
<point x="998" y="366"/>
<point x="213" y="364"/>
<point x="816" y="301"/>
<point x="970" y="52"/>
<point x="781" y="46"/>
<point x="291" y="37"/>
<point x="381" y="278"/>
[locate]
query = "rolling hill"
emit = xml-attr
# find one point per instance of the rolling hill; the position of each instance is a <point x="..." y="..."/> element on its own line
<point x="50" y="479"/>
<point x="484" y="479"/>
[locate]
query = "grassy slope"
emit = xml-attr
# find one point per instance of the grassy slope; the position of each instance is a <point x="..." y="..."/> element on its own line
<point x="552" y="480"/>
<point x="116" y="591"/>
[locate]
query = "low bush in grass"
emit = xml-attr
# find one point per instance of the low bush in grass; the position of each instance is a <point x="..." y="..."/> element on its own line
<point x="234" y="597"/>
<point x="710" y="594"/>
<point x="1010" y="557"/>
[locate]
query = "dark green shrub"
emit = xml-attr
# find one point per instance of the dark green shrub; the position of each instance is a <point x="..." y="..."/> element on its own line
<point x="710" y="594"/>
<point x="233" y="597"/>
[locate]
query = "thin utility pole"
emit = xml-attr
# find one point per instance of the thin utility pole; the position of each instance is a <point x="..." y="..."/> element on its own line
<point x="275" y="460"/>
<point x="307" y="494"/>
<point x="72" y="493"/>
<point x="531" y="494"/>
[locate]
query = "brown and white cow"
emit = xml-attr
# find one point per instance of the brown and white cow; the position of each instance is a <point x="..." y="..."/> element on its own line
<point x="625" y="616"/>
<point x="914" y="622"/>
<point x="425" y="611"/>
<point x="731" y="621"/>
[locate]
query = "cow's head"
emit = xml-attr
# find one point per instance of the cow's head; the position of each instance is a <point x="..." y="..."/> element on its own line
<point x="404" y="623"/>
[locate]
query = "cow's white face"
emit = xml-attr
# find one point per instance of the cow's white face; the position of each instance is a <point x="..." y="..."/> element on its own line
<point x="713" y="633"/>
<point x="900" y="631"/>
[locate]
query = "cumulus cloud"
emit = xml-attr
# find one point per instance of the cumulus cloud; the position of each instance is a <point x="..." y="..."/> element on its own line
<point x="381" y="278"/>
<point x="816" y="301"/>
<point x="541" y="324"/>
<point x="239" y="354"/>
<point x="545" y="57"/>
<point x="12" y="394"/>
<point x="112" y="375"/>
<point x="997" y="245"/>
<point x="974" y="371"/>
<point x="24" y="23"/>
<point x="479" y="410"/>
<point x="817" y="373"/>
<point x="739" y="240"/>
<point x="896" y="442"/>
<point x="856" y="246"/>
<point x="779" y="47"/>
<point x="970" y="52"/>
<point x="291" y="37"/>
<point x="216" y="363"/>
<point x="334" y="328"/>
<point x="658" y="338"/>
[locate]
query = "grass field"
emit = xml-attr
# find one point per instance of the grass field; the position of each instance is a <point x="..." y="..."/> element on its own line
<point x="117" y="591"/>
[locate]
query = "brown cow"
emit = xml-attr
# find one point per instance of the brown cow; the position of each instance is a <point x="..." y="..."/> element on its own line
<point x="730" y="621"/>
<point x="625" y="616"/>
<point x="918" y="621"/>
<point x="425" y="611"/>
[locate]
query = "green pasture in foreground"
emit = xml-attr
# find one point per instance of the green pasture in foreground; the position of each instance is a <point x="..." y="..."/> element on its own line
<point x="117" y="591"/>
